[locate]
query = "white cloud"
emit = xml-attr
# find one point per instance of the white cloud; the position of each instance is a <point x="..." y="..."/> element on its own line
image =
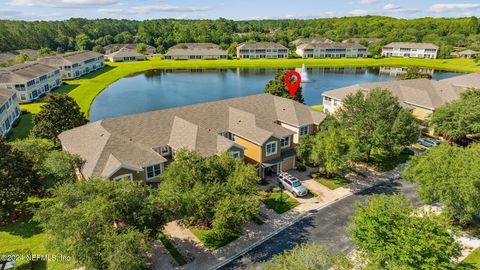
<point x="62" y="3"/>
<point x="390" y="7"/>
<point x="367" y="1"/>
<point x="359" y="12"/>
<point x="153" y="9"/>
<point x="453" y="6"/>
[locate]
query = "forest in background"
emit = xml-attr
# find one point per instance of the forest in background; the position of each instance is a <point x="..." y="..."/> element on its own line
<point x="77" y="33"/>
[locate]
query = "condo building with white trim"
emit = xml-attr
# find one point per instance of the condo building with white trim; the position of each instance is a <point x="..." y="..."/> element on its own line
<point x="410" y="50"/>
<point x="76" y="64"/>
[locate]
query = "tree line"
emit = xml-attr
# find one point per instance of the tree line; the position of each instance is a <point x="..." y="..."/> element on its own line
<point x="163" y="33"/>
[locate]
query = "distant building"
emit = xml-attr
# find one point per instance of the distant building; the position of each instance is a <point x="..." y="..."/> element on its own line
<point x="261" y="50"/>
<point x="468" y="54"/>
<point x="30" y="80"/>
<point x="9" y="110"/>
<point x="357" y="40"/>
<point x="126" y="55"/>
<point x="332" y="50"/>
<point x="301" y="41"/>
<point x="410" y="49"/>
<point x="5" y="56"/>
<point x="76" y="64"/>
<point x="195" y="51"/>
<point x="110" y="48"/>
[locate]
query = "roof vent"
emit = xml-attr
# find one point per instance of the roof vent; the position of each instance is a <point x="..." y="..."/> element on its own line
<point x="101" y="135"/>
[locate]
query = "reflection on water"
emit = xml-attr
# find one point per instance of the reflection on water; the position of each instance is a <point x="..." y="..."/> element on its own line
<point x="167" y="88"/>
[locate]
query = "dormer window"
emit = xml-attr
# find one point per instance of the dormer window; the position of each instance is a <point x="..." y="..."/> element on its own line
<point x="164" y="150"/>
<point x="270" y="148"/>
<point x="285" y="142"/>
<point x="304" y="130"/>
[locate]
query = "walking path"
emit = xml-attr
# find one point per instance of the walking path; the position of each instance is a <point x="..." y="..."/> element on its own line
<point x="253" y="234"/>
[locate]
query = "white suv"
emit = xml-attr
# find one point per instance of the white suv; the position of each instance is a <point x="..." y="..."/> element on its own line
<point x="292" y="184"/>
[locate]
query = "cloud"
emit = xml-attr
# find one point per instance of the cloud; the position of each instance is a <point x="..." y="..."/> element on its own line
<point x="367" y="1"/>
<point x="391" y="7"/>
<point x="152" y="9"/>
<point x="62" y="3"/>
<point x="359" y="12"/>
<point x="453" y="7"/>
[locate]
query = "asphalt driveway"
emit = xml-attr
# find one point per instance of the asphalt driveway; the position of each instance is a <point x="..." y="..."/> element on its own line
<point x="327" y="226"/>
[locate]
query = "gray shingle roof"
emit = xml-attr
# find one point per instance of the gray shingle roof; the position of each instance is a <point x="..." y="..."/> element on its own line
<point x="261" y="45"/>
<point x="423" y="93"/>
<point x="5" y="94"/>
<point x="130" y="46"/>
<point x="5" y="56"/>
<point x="195" y="46"/>
<point x="300" y="41"/>
<point x="331" y="45"/>
<point x="196" y="127"/>
<point x="24" y="72"/>
<point x="468" y="52"/>
<point x="125" y="52"/>
<point x="69" y="59"/>
<point x="187" y="52"/>
<point x="412" y="45"/>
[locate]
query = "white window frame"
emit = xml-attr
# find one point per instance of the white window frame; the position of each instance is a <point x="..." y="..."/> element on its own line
<point x="127" y="175"/>
<point x="236" y="154"/>
<point x="167" y="152"/>
<point x="283" y="144"/>
<point x="153" y="168"/>
<point x="301" y="132"/>
<point x="266" y="149"/>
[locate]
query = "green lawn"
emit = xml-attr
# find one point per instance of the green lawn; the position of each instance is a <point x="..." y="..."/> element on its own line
<point x="92" y="84"/>
<point x="272" y="201"/>
<point x="210" y="240"/>
<point x="24" y="235"/>
<point x="474" y="258"/>
<point x="23" y="127"/>
<point x="172" y="249"/>
<point x="318" y="107"/>
<point x="333" y="183"/>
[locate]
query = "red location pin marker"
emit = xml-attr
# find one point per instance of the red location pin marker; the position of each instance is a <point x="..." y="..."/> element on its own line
<point x="292" y="87"/>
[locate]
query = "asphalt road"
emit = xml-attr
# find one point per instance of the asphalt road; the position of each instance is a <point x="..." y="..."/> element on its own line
<point x="327" y="226"/>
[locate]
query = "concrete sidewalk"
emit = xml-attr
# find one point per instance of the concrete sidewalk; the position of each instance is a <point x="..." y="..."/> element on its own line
<point x="254" y="234"/>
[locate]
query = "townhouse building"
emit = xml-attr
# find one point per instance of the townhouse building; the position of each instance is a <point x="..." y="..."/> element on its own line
<point x="76" y="64"/>
<point x="125" y="55"/>
<point x="111" y="48"/>
<point x="9" y="110"/>
<point x="260" y="50"/>
<point x="331" y="50"/>
<point x="422" y="96"/>
<point x="195" y="51"/>
<point x="30" y="80"/>
<point x="261" y="129"/>
<point x="410" y="50"/>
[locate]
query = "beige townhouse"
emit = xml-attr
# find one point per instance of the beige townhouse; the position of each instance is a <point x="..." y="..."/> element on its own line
<point x="422" y="96"/>
<point x="331" y="50"/>
<point x="125" y="55"/>
<point x="195" y="51"/>
<point x="111" y="48"/>
<point x="30" y="80"/>
<point x="260" y="50"/>
<point x="261" y="129"/>
<point x="410" y="50"/>
<point x="76" y="64"/>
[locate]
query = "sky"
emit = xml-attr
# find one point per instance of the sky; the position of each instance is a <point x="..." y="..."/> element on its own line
<point x="236" y="10"/>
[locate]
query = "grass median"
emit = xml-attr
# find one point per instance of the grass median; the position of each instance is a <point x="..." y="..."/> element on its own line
<point x="85" y="89"/>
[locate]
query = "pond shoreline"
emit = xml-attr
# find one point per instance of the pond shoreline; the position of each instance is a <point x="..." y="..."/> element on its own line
<point x="88" y="87"/>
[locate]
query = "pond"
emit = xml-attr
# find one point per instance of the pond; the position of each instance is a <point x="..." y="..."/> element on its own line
<point x="162" y="89"/>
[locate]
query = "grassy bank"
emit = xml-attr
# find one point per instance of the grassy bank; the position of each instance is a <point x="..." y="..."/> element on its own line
<point x="85" y="89"/>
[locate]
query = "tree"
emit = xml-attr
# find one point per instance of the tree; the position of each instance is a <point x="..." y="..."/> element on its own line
<point x="60" y="113"/>
<point x="449" y="175"/>
<point x="277" y="87"/>
<point x="103" y="224"/>
<point x="375" y="122"/>
<point x="82" y="42"/>
<point x="217" y="192"/>
<point x="459" y="118"/>
<point x="304" y="149"/>
<point x="18" y="180"/>
<point x="22" y="57"/>
<point x="161" y="49"/>
<point x="44" y="52"/>
<point x="390" y="234"/>
<point x="232" y="49"/>
<point x="97" y="48"/>
<point x="414" y="73"/>
<point x="308" y="257"/>
<point x="142" y="48"/>
<point x="444" y="51"/>
<point x="330" y="148"/>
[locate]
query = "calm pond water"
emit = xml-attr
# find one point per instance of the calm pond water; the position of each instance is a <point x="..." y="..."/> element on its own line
<point x="161" y="89"/>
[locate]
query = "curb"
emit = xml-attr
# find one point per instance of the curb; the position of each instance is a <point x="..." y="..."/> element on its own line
<point x="297" y="219"/>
